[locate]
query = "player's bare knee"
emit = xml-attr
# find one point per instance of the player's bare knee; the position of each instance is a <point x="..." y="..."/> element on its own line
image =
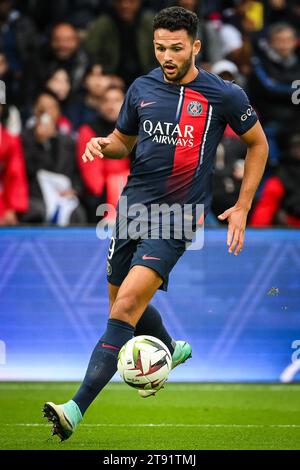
<point x="112" y="293"/>
<point x="112" y="300"/>
<point x="125" y="308"/>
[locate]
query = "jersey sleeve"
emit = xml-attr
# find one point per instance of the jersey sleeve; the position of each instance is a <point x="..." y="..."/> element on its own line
<point x="128" y="121"/>
<point x="238" y="112"/>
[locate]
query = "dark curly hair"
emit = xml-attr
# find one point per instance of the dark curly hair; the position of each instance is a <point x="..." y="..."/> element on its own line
<point x="175" y="18"/>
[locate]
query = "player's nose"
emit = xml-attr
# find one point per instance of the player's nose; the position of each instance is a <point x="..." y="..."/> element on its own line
<point x="167" y="56"/>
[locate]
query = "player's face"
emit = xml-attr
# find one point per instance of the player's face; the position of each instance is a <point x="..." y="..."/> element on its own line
<point x="176" y="52"/>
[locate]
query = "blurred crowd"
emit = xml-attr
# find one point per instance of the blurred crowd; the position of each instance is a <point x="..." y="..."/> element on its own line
<point x="66" y="66"/>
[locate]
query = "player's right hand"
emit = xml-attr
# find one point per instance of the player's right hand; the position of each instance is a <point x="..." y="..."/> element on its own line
<point x="94" y="148"/>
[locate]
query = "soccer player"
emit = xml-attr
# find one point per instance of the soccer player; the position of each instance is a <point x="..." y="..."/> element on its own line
<point x="176" y="116"/>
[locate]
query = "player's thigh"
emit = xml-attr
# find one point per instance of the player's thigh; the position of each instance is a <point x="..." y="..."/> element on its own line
<point x="161" y="255"/>
<point x="135" y="293"/>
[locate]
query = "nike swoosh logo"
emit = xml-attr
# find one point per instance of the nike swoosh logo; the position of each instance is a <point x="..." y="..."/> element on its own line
<point x="143" y="104"/>
<point x="145" y="257"/>
<point x="109" y="346"/>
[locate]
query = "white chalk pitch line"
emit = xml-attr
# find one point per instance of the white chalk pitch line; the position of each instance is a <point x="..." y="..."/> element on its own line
<point x="164" y="425"/>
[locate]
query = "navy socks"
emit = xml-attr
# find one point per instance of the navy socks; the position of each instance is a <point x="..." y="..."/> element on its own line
<point x="151" y="324"/>
<point x="103" y="362"/>
<point x="104" y="358"/>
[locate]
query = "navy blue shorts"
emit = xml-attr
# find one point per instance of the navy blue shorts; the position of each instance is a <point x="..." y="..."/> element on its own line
<point x="158" y="254"/>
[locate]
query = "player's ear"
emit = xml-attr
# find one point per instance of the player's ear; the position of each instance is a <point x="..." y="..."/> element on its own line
<point x="197" y="46"/>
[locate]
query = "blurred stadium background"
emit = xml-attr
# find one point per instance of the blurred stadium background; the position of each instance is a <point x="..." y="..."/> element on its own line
<point x="66" y="66"/>
<point x="241" y="315"/>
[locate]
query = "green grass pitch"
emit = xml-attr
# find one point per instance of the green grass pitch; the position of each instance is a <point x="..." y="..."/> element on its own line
<point x="183" y="416"/>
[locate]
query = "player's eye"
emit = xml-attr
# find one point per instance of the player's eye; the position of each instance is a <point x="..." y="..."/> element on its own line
<point x="177" y="49"/>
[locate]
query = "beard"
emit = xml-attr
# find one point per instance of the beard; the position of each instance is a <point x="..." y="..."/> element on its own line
<point x="180" y="72"/>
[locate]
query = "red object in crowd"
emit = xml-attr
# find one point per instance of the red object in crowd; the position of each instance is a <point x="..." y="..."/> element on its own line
<point x="13" y="181"/>
<point x="101" y="173"/>
<point x="269" y="204"/>
<point x="215" y="16"/>
<point x="64" y="125"/>
<point x="230" y="132"/>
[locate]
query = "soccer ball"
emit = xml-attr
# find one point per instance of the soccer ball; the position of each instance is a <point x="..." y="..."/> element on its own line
<point x="144" y="362"/>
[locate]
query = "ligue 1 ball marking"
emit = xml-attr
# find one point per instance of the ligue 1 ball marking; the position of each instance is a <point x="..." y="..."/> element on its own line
<point x="144" y="362"/>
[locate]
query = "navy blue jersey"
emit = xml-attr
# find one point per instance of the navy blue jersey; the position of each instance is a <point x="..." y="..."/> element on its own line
<point x="179" y="128"/>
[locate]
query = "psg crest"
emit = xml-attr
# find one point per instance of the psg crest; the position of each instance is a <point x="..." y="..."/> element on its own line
<point x="108" y="269"/>
<point x="194" y="108"/>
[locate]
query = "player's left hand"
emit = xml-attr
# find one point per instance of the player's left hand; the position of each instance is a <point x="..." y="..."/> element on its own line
<point x="237" y="220"/>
